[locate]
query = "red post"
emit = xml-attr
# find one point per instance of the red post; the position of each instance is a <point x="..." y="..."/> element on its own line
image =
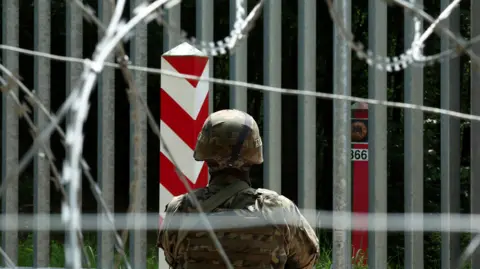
<point x="359" y="156"/>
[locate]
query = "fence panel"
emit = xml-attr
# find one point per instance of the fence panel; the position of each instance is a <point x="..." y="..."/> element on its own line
<point x="342" y="251"/>
<point x="241" y="18"/>
<point x="41" y="175"/>
<point x="138" y="141"/>
<point x="106" y="141"/>
<point x="10" y="126"/>
<point x="307" y="71"/>
<point x="413" y="160"/>
<point x="450" y="144"/>
<point x="377" y="132"/>
<point x="238" y="61"/>
<point x="272" y="102"/>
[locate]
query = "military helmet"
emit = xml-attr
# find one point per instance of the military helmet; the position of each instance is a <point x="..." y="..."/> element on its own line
<point x="229" y="138"/>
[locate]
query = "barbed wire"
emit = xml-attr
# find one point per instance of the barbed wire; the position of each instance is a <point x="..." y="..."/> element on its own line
<point x="155" y="127"/>
<point x="33" y="100"/>
<point x="122" y="58"/>
<point x="114" y="33"/>
<point x="419" y="43"/>
<point x="23" y="112"/>
<point x="128" y="78"/>
<point x="241" y="26"/>
<point x="332" y="96"/>
<point x="4" y="86"/>
<point x="402" y="61"/>
<point x="258" y="87"/>
<point x="74" y="136"/>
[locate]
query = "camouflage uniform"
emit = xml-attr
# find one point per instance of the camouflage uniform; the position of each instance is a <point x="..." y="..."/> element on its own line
<point x="230" y="143"/>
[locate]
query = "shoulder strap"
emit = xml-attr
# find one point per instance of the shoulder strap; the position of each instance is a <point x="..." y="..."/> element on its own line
<point x="222" y="196"/>
<point x="211" y="203"/>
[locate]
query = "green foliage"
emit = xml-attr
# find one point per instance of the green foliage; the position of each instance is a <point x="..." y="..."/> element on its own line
<point x="57" y="254"/>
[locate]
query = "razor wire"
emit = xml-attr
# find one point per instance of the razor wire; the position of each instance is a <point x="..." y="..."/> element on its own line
<point x="74" y="142"/>
<point x="411" y="56"/>
<point x="113" y="35"/>
<point x="241" y="27"/>
<point x="257" y="87"/>
<point x="35" y="102"/>
<point x="23" y="111"/>
<point x="88" y="87"/>
<point x="95" y="66"/>
<point x="155" y="127"/>
<point x="414" y="56"/>
<point x="74" y="138"/>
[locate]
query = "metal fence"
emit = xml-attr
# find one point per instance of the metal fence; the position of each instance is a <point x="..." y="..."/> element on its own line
<point x="272" y="48"/>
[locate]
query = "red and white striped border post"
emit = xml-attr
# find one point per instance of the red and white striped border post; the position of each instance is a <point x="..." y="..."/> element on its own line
<point x="359" y="156"/>
<point x="183" y="110"/>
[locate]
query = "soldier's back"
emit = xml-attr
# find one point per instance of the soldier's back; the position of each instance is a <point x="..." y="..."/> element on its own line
<point x="242" y="224"/>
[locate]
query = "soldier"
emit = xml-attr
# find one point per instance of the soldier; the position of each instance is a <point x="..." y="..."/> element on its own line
<point x="230" y="144"/>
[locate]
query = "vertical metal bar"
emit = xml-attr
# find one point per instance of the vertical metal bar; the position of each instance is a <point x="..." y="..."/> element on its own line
<point x="475" y="125"/>
<point x="377" y="132"/>
<point x="413" y="157"/>
<point x="204" y="29"/>
<point x="74" y="48"/>
<point x="74" y="43"/>
<point x="306" y="104"/>
<point x="10" y="135"/>
<point x="138" y="142"/>
<point x="450" y="143"/>
<point x="341" y="139"/>
<point x="238" y="62"/>
<point x="272" y="69"/>
<point x="173" y="18"/>
<point x="41" y="174"/>
<point x="106" y="144"/>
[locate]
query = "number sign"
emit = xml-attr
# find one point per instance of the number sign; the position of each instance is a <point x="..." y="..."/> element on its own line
<point x="359" y="154"/>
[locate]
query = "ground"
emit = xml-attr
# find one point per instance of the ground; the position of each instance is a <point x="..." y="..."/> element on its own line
<point x="57" y="255"/>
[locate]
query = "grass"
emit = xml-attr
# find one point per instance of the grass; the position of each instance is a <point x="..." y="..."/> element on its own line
<point x="432" y="253"/>
<point x="57" y="255"/>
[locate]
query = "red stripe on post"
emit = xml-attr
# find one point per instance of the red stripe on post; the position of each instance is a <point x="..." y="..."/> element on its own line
<point x="173" y="115"/>
<point x="360" y="114"/>
<point x="188" y="65"/>
<point x="172" y="182"/>
<point x="360" y="202"/>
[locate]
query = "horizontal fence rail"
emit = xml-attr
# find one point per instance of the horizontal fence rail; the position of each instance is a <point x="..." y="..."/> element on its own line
<point x="382" y="222"/>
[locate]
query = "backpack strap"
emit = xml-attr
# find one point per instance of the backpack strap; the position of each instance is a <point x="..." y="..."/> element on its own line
<point x="223" y="195"/>
<point x="211" y="203"/>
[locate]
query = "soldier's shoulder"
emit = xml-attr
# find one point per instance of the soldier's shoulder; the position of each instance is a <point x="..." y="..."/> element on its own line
<point x="174" y="204"/>
<point x="273" y="199"/>
<point x="180" y="201"/>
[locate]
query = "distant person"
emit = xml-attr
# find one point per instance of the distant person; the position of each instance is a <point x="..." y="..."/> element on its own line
<point x="230" y="144"/>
